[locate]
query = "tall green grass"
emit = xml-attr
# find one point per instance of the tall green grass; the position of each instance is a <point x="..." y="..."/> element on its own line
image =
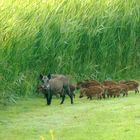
<point x="91" y="38"/>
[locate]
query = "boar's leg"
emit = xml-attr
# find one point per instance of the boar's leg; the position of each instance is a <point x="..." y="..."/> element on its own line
<point x="50" y="99"/>
<point x="47" y="98"/>
<point x="73" y="94"/>
<point x="69" y="94"/>
<point x="90" y="97"/>
<point x="115" y="95"/>
<point x="111" y="95"/>
<point x="103" y="95"/>
<point x="118" y="94"/>
<point x="100" y="96"/>
<point x="126" y="93"/>
<point x="108" y="95"/>
<point x="63" y="98"/>
<point x="136" y="90"/>
<point x="67" y="90"/>
<point x="71" y="98"/>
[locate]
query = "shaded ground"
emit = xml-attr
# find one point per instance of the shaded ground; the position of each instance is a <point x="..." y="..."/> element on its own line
<point x="113" y="119"/>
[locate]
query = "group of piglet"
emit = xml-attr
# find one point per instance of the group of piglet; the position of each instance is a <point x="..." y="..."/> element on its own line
<point x="59" y="85"/>
<point x="108" y="88"/>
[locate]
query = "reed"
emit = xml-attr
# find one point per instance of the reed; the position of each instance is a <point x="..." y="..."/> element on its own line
<point x="92" y="38"/>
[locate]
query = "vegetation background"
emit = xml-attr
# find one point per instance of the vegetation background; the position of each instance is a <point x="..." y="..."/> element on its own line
<point x="99" y="39"/>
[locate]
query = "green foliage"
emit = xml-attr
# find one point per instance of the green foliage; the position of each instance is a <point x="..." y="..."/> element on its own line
<point x="92" y="38"/>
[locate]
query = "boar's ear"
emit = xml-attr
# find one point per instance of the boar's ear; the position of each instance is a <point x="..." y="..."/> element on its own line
<point x="49" y="76"/>
<point x="41" y="76"/>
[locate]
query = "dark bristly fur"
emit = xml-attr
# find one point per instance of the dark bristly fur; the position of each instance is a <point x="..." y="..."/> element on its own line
<point x="56" y="84"/>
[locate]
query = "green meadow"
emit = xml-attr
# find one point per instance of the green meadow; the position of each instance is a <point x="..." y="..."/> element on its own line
<point x="109" y="119"/>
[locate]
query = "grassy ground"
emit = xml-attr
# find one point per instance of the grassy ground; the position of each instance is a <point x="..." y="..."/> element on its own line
<point x="109" y="119"/>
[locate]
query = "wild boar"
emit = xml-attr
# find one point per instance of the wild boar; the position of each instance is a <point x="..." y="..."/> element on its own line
<point x="109" y="83"/>
<point x="95" y="91"/>
<point x="124" y="89"/>
<point x="132" y="85"/>
<point x="87" y="83"/>
<point x="112" y="91"/>
<point x="56" y="86"/>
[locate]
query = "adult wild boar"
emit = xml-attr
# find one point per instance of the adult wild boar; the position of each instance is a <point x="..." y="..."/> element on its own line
<point x="46" y="78"/>
<point x="56" y="84"/>
<point x="41" y="89"/>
